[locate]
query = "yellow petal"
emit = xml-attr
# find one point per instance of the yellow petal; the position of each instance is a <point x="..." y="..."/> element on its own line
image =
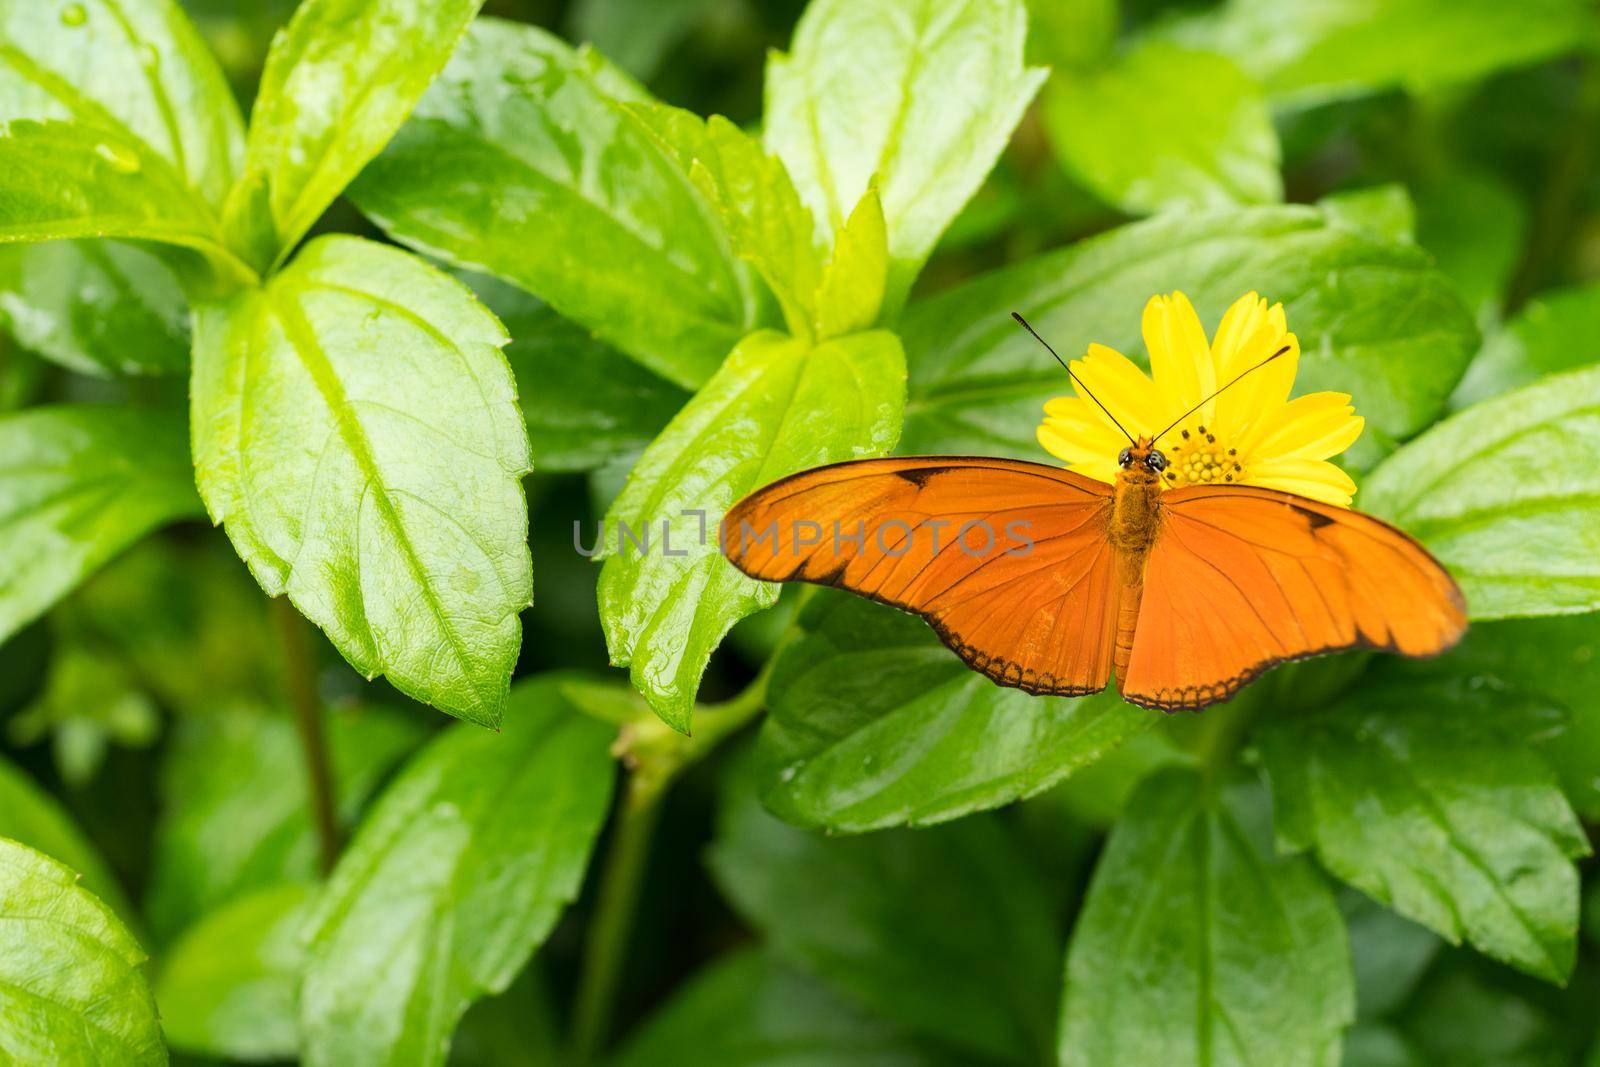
<point x="1314" y="426"/>
<point x="1118" y="383"/>
<point x="1086" y="457"/>
<point x="1251" y="334"/>
<point x="1180" y="358"/>
<point x="1317" y="479"/>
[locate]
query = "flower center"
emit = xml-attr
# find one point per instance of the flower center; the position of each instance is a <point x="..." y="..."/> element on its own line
<point x="1198" y="458"/>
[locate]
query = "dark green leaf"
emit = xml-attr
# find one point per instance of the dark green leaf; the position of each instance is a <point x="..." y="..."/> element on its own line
<point x="1376" y="1045"/>
<point x="33" y="817"/>
<point x="356" y="431"/>
<point x="1474" y="224"/>
<point x="77" y="486"/>
<point x="874" y="723"/>
<point x="454" y="879"/>
<point x="1472" y="1015"/>
<point x="1390" y="954"/>
<point x="1428" y="798"/>
<point x="1553" y="333"/>
<point x="778" y="405"/>
<point x="638" y="34"/>
<point x="89" y="702"/>
<point x="1198" y="946"/>
<point x="517" y="1028"/>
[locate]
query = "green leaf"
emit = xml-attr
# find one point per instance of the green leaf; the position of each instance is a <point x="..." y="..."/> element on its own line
<point x="1551" y="334"/>
<point x="518" y="1027"/>
<point x="71" y="987"/>
<point x="1198" y="946"/>
<point x="1385" y="211"/>
<point x="455" y="878"/>
<point x="874" y="723"/>
<point x="514" y="164"/>
<point x="356" y="432"/>
<point x="638" y="35"/>
<point x="31" y="816"/>
<point x="778" y="405"/>
<point x="1475" y="225"/>
<point x="1068" y="34"/>
<point x="1504" y="494"/>
<point x="921" y="97"/>
<point x="97" y="307"/>
<point x="749" y="1010"/>
<point x="1428" y="798"/>
<point x="1163" y="127"/>
<point x="227" y="986"/>
<point x="340" y="80"/>
<point x="850" y="296"/>
<point x="79" y="484"/>
<point x="1375" y="319"/>
<point x="948" y="931"/>
<point x="1310" y="50"/>
<point x="136" y="72"/>
<point x="235" y="815"/>
<point x="1389" y="953"/>
<point x="89" y="702"/>
<point x="1473" y="1015"/>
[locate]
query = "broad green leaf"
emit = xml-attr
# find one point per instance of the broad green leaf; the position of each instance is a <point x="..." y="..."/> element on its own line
<point x="1309" y="50"/>
<point x="235" y="807"/>
<point x="136" y="71"/>
<point x="72" y="990"/>
<point x="340" y="80"/>
<point x="1385" y="211"/>
<point x="1504" y="494"/>
<point x="523" y="162"/>
<point x="456" y="876"/>
<point x="356" y="432"/>
<point x="1552" y="333"/>
<point x="1429" y="799"/>
<point x="947" y="931"/>
<point x="778" y="405"/>
<point x="1375" y="319"/>
<point x="749" y="1010"/>
<point x="89" y="702"/>
<point x="851" y="293"/>
<point x="920" y="96"/>
<point x="78" y="484"/>
<point x="31" y="816"/>
<point x="1163" y="127"/>
<point x="874" y="723"/>
<point x="98" y="307"/>
<point x="1198" y="946"/>
<point x="227" y="986"/>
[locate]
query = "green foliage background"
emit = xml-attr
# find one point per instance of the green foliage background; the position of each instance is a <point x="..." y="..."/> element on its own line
<point x="466" y="278"/>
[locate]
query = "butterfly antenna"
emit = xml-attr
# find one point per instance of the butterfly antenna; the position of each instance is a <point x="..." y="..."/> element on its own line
<point x="1075" y="379"/>
<point x="1214" y="395"/>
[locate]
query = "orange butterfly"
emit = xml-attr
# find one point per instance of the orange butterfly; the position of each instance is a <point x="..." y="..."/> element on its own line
<point x="1055" y="583"/>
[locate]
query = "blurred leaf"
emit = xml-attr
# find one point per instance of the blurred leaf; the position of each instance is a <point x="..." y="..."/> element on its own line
<point x="96" y="307"/>
<point x="1553" y="333"/>
<point x="78" y="485"/>
<point x="1385" y="211"/>
<point x="1376" y="1045"/>
<point x="1162" y="127"/>
<point x="637" y="34"/>
<point x="1428" y="798"/>
<point x="31" y="816"/>
<point x="1374" y="319"/>
<point x="340" y="80"/>
<point x="517" y="1028"/>
<point x="920" y="96"/>
<point x="89" y="703"/>
<point x="778" y="405"/>
<point x="522" y="162"/>
<point x="1390" y="954"/>
<point x="874" y="723"/>
<point x="946" y="931"/>
<point x="454" y="879"/>
<point x="1197" y="945"/>
<point x="227" y="986"/>
<point x="749" y="1010"/>
<point x="356" y="431"/>
<point x="1505" y="494"/>
<point x="1098" y="793"/>
<point x="1472" y="1015"/>
<point x="1071" y="33"/>
<point x="1474" y="224"/>
<point x="75" y="990"/>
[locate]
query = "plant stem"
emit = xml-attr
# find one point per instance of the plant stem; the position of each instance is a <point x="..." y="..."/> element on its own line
<point x="300" y="680"/>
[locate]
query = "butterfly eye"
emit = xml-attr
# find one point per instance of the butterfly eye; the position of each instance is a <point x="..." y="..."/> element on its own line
<point x="1124" y="458"/>
<point x="1155" y="461"/>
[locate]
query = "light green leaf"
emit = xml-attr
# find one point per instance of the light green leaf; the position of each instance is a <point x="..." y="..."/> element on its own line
<point x="339" y="81"/>
<point x="97" y="307"/>
<point x="947" y="931"/>
<point x="1067" y="34"/>
<point x="1163" y="127"/>
<point x="1385" y="211"/>
<point x="227" y="986"/>
<point x="79" y="484"/>
<point x="854" y="280"/>
<point x="1552" y="333"/>
<point x="135" y="71"/>
<point x="1310" y="50"/>
<point x="778" y="405"/>
<point x="455" y="878"/>
<point x="1429" y="799"/>
<point x="1374" y="318"/>
<point x="921" y="96"/>
<point x="71" y="987"/>
<point x="514" y="164"/>
<point x="1198" y="946"/>
<point x="31" y="816"/>
<point x="874" y="723"/>
<point x="1504" y="494"/>
<point x="749" y="1010"/>
<point x="356" y="432"/>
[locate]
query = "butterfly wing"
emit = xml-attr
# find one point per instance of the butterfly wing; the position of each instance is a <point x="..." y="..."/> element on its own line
<point x="1242" y="578"/>
<point x="1038" y="616"/>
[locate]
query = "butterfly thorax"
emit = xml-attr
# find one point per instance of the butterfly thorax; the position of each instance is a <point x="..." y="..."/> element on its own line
<point x="1133" y="507"/>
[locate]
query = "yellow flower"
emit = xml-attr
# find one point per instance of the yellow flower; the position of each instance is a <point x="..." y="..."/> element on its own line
<point x="1252" y="434"/>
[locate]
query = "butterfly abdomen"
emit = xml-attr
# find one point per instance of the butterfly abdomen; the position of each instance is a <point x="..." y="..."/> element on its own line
<point x="1133" y="529"/>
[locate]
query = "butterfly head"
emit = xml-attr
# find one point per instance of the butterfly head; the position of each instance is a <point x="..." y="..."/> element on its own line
<point x="1142" y="456"/>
